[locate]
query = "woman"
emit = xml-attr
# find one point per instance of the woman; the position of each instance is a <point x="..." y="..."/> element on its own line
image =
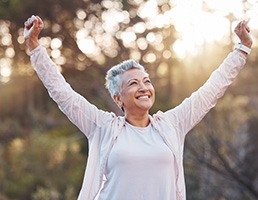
<point x="136" y="156"/>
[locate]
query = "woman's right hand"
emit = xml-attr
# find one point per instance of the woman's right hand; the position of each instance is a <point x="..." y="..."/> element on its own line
<point x="32" y="29"/>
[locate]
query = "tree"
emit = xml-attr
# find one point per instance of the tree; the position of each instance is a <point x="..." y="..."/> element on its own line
<point x="227" y="149"/>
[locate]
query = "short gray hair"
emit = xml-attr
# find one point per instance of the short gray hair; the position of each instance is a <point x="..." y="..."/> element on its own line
<point x="113" y="80"/>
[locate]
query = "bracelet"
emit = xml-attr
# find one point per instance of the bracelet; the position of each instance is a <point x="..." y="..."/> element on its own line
<point x="243" y="48"/>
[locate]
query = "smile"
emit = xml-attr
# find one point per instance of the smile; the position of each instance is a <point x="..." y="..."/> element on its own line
<point x="143" y="97"/>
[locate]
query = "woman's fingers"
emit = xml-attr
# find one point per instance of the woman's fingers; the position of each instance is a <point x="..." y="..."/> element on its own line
<point x="242" y="31"/>
<point x="29" y="22"/>
<point x="33" y="26"/>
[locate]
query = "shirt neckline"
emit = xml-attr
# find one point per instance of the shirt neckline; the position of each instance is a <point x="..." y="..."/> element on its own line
<point x="141" y="130"/>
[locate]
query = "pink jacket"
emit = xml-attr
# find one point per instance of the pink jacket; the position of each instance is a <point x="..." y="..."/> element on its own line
<point x="101" y="128"/>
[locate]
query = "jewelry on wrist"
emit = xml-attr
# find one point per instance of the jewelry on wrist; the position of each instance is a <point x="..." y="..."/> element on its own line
<point x="243" y="48"/>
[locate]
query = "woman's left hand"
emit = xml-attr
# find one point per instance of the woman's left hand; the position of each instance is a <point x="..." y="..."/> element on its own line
<point x="242" y="31"/>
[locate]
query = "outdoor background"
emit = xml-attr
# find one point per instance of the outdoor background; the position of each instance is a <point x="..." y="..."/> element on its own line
<point x="43" y="156"/>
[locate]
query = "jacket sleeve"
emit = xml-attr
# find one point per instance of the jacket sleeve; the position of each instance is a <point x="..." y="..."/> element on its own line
<point x="83" y="114"/>
<point x="186" y="115"/>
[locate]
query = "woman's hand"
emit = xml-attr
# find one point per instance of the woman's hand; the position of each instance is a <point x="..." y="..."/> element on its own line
<point x="32" y="29"/>
<point x="242" y="31"/>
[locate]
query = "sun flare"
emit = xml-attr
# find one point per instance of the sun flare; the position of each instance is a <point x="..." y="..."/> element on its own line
<point x="197" y="25"/>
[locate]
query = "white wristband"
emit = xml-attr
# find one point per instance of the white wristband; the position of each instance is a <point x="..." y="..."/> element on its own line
<point x="243" y="48"/>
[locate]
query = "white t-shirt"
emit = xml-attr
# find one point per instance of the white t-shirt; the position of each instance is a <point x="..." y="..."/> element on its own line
<point x="140" y="167"/>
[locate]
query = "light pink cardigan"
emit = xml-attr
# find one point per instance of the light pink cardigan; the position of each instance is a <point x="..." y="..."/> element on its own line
<point x="101" y="128"/>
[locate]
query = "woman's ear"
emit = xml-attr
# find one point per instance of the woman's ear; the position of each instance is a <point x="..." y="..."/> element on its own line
<point x="118" y="100"/>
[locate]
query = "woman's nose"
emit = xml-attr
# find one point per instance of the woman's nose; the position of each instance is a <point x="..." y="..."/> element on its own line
<point x="142" y="87"/>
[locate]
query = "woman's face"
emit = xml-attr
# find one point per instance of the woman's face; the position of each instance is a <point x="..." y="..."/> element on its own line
<point x="137" y="93"/>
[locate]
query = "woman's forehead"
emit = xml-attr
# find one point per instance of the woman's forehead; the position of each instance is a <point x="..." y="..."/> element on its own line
<point x="134" y="74"/>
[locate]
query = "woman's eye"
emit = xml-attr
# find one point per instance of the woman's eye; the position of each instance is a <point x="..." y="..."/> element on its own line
<point x="147" y="81"/>
<point x="132" y="83"/>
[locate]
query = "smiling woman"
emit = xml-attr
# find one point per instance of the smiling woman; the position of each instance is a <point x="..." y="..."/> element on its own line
<point x="126" y="151"/>
<point x="136" y="96"/>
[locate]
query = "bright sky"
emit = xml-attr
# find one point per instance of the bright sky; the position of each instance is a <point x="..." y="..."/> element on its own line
<point x="197" y="26"/>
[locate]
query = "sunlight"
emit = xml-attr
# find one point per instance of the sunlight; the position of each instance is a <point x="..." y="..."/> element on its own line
<point x="167" y="54"/>
<point x="88" y="46"/>
<point x="111" y="19"/>
<point x="82" y="33"/>
<point x="136" y="55"/>
<point x="225" y="7"/>
<point x="162" y="20"/>
<point x="197" y="26"/>
<point x="148" y="10"/>
<point x="7" y="39"/>
<point x="128" y="38"/>
<point x="81" y="14"/>
<point x="56" y="43"/>
<point x="162" y="69"/>
<point x="139" y="27"/>
<point x="149" y="57"/>
<point x="5" y="70"/>
<point x="45" y="41"/>
<point x="9" y="52"/>
<point x="56" y="53"/>
<point x="197" y="22"/>
<point x="142" y="43"/>
<point x="180" y="48"/>
<point x="150" y="37"/>
<point x="60" y="60"/>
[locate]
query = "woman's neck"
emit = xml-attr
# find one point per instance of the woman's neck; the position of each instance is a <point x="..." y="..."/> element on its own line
<point x="138" y="120"/>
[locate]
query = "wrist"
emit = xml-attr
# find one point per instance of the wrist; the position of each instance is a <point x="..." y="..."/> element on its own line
<point x="31" y="43"/>
<point x="247" y="43"/>
<point x="246" y="50"/>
